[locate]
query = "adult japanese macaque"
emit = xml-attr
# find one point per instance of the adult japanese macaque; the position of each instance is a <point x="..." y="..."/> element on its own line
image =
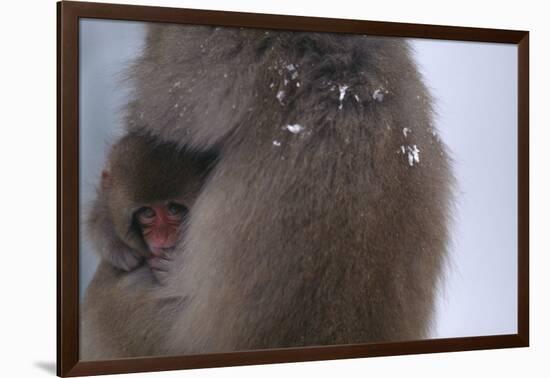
<point x="325" y="218"/>
<point x="145" y="194"/>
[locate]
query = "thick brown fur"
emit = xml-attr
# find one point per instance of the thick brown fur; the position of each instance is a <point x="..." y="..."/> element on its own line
<point x="325" y="218"/>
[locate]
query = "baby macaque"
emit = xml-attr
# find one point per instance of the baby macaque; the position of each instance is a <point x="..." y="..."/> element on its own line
<point x="147" y="189"/>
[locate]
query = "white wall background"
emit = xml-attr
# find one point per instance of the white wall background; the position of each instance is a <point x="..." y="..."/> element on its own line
<point x="27" y="157"/>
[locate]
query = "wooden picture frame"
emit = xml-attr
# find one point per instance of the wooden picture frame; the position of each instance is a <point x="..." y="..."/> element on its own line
<point x="68" y="212"/>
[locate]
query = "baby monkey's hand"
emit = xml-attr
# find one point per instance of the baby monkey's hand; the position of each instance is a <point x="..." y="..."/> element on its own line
<point x="160" y="265"/>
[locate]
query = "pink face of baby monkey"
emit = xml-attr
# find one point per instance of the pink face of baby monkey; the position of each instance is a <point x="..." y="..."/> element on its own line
<point x="160" y="224"/>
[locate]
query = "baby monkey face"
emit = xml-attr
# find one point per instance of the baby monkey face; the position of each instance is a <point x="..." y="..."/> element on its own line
<point x="161" y="225"/>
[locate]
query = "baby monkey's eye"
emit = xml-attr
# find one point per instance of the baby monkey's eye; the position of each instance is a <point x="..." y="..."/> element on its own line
<point x="145" y="213"/>
<point x="176" y="209"/>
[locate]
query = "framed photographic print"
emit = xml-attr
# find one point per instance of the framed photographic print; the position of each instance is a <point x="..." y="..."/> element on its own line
<point x="240" y="188"/>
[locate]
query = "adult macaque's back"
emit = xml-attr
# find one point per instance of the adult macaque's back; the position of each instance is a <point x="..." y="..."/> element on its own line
<point x="324" y="220"/>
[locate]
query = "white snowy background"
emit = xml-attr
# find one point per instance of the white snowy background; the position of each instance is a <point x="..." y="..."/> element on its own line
<point x="474" y="85"/>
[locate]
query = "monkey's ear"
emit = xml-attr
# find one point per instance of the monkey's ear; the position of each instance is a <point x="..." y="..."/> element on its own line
<point x="106" y="179"/>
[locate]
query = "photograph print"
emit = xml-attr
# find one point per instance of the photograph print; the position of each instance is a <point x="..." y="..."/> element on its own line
<point x="249" y="189"/>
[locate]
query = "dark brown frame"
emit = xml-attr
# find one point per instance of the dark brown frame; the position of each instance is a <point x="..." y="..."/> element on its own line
<point x="68" y="14"/>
